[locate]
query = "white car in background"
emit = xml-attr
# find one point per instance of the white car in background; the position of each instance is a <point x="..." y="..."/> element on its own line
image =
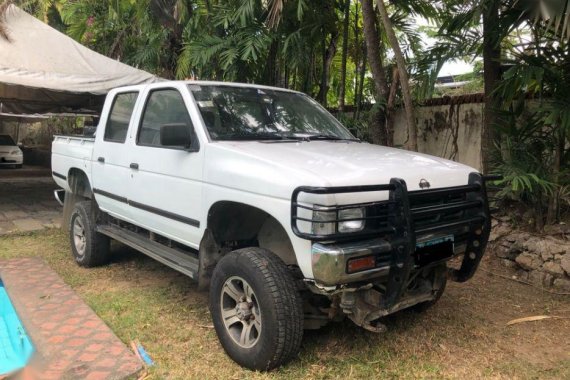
<point x="10" y="152"/>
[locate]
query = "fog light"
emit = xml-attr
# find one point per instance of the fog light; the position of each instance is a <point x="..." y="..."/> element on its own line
<point x="360" y="263"/>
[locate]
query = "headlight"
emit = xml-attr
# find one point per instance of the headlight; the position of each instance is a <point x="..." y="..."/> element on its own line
<point x="16" y="152"/>
<point x="354" y="225"/>
<point x="320" y="217"/>
<point x="324" y="220"/>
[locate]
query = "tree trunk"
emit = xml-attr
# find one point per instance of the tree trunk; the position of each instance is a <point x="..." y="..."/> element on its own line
<point x="377" y="118"/>
<point x="412" y="143"/>
<point x="308" y="73"/>
<point x="390" y="105"/>
<point x="554" y="201"/>
<point x="373" y="50"/>
<point x="342" y="91"/>
<point x="328" y="55"/>
<point x="356" y="56"/>
<point x="271" y="65"/>
<point x="491" y="77"/>
<point x="360" y="90"/>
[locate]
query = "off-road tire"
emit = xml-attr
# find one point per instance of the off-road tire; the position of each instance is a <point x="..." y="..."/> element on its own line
<point x="279" y="302"/>
<point x="96" y="247"/>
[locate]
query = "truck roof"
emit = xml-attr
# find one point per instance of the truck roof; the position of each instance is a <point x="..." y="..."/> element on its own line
<point x="208" y="83"/>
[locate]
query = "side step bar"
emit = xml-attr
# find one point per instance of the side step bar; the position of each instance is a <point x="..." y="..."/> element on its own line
<point x="185" y="263"/>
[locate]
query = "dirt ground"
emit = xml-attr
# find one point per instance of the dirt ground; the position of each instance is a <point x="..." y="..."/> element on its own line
<point x="464" y="336"/>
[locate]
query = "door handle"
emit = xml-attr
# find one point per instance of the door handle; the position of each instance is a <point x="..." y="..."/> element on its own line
<point x="134" y="165"/>
<point x="101" y="159"/>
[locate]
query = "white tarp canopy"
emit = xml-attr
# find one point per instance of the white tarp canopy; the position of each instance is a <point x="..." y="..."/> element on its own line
<point x="43" y="70"/>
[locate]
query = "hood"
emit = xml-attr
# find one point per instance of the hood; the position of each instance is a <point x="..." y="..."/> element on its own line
<point x="327" y="163"/>
<point x="8" y="148"/>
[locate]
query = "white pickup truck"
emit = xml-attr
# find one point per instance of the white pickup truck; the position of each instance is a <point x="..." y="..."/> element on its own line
<point x="262" y="196"/>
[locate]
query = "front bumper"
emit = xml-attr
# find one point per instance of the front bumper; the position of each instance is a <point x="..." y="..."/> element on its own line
<point x="11" y="159"/>
<point x="411" y="217"/>
<point x="330" y="261"/>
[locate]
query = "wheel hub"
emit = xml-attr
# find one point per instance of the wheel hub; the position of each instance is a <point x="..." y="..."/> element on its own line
<point x="244" y="311"/>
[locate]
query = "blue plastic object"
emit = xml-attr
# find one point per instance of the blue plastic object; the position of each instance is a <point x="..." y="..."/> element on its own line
<point x="15" y="345"/>
<point x="145" y="357"/>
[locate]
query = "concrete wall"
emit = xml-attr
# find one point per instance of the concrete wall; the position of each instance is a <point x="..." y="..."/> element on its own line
<point x="450" y="131"/>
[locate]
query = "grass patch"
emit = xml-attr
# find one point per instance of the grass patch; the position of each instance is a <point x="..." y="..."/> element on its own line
<point x="462" y="337"/>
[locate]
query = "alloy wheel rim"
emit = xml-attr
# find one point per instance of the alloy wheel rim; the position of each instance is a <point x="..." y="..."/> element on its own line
<point x="79" y="239"/>
<point x="240" y="312"/>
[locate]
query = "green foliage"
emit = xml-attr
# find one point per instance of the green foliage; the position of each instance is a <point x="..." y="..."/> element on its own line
<point x="523" y="160"/>
<point x="275" y="42"/>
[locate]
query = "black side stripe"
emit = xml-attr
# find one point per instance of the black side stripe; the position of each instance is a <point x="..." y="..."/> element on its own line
<point x="55" y="174"/>
<point x="166" y="214"/>
<point x="110" y="195"/>
<point x="154" y="210"/>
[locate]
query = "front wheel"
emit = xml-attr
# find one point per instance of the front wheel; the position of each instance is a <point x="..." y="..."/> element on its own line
<point x="256" y="309"/>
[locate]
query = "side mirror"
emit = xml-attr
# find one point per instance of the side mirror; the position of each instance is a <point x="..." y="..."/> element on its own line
<point x="175" y="135"/>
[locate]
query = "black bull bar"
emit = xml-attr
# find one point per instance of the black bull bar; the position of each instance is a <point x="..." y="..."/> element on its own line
<point x="406" y="215"/>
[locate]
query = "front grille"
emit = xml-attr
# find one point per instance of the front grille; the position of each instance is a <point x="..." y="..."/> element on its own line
<point x="454" y="209"/>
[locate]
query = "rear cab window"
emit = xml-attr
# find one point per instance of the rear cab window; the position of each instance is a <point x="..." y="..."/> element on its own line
<point x="120" y="116"/>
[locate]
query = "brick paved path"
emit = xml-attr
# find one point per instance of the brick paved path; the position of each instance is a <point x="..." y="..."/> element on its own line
<point x="71" y="340"/>
<point x="28" y="204"/>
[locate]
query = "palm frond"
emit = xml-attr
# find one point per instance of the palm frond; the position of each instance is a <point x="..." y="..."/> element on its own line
<point x="554" y="15"/>
<point x="3" y="29"/>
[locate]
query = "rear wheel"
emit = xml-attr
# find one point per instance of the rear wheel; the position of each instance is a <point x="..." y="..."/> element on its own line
<point x="256" y="309"/>
<point x="89" y="247"/>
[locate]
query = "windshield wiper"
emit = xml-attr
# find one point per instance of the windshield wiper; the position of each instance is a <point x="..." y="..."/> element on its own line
<point x="258" y="136"/>
<point x="281" y="137"/>
<point x="327" y="137"/>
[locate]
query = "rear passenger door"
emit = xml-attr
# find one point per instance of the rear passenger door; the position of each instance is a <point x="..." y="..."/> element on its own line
<point x="110" y="168"/>
<point x="166" y="187"/>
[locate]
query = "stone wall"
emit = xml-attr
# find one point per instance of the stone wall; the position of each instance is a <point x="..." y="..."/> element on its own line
<point x="541" y="260"/>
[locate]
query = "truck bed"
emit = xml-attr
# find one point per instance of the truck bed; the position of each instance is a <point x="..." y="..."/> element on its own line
<point x="68" y="152"/>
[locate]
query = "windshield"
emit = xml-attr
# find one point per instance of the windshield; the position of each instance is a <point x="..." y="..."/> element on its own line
<point x="246" y="113"/>
<point x="6" y="140"/>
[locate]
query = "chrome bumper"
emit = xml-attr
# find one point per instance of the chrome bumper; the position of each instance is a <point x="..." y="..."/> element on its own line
<point x="329" y="261"/>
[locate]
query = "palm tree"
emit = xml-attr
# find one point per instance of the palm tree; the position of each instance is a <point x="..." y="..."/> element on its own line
<point x="345" y="30"/>
<point x="412" y="143"/>
<point x="378" y="131"/>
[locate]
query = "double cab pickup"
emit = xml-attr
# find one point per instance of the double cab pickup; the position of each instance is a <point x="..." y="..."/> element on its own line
<point x="264" y="198"/>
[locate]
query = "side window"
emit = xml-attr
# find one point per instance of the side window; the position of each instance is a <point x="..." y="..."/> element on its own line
<point x="120" y="116"/>
<point x="163" y="108"/>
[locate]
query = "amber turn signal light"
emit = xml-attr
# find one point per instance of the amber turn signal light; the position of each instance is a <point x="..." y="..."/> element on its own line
<point x="360" y="264"/>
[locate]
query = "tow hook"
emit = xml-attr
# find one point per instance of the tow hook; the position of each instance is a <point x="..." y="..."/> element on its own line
<point x="359" y="307"/>
<point x="365" y="307"/>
